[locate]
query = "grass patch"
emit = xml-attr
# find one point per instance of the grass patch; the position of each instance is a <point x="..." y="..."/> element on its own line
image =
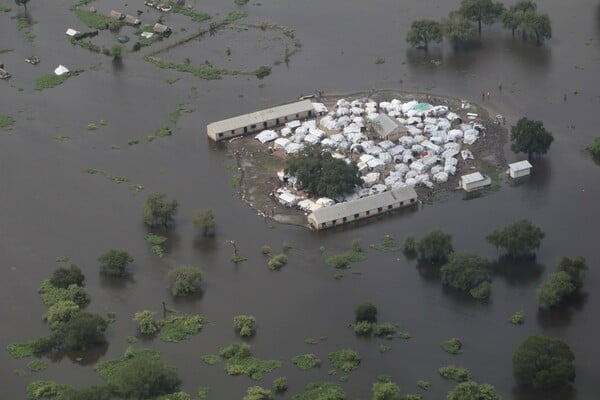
<point x="452" y="346"/>
<point x="22" y="350"/>
<point x="384" y="349"/>
<point x="18" y="372"/>
<point x="236" y="258"/>
<point x="206" y="72"/>
<point x="194" y="15"/>
<point x="457" y="374"/>
<point x="93" y="171"/>
<point x="241" y="2"/>
<point x="312" y="341"/>
<point x="481" y="291"/>
<point x="203" y="392"/>
<point x="403" y="335"/>
<point x="517" y="318"/>
<point x="155" y="239"/>
<point x="24" y="24"/>
<point x="175" y="115"/>
<point x="210" y="359"/>
<point x="51" y="80"/>
<point x="234" y="16"/>
<point x="61" y="138"/>
<point x="118" y="179"/>
<point x="163" y="131"/>
<point x="92" y="20"/>
<point x="387" y="244"/>
<point x="5" y="9"/>
<point x="266" y="250"/>
<point x="306" y="361"/>
<point x="277" y="262"/>
<point x="111" y="317"/>
<point x="321" y="390"/>
<point x="136" y="187"/>
<point x="39" y="390"/>
<point x="132" y="339"/>
<point x="110" y="370"/>
<point x="341" y="261"/>
<point x="2" y="51"/>
<point x="346" y="360"/>
<point x="594" y="148"/>
<point x="380" y="60"/>
<point x="235" y="180"/>
<point x="133" y="142"/>
<point x="6" y="121"/>
<point x="91" y="126"/>
<point x="171" y="79"/>
<point x="176" y="328"/>
<point x="37" y="366"/>
<point x="263" y="71"/>
<point x="241" y="362"/>
<point x="62" y="259"/>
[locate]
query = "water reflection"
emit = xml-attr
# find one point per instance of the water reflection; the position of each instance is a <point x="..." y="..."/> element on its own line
<point x="85" y="357"/>
<point x="568" y="392"/>
<point x="561" y="317"/>
<point x="118" y="283"/>
<point x="518" y="271"/>
<point x="429" y="271"/>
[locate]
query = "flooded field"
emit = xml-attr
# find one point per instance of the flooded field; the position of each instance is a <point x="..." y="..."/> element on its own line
<point x="49" y="207"/>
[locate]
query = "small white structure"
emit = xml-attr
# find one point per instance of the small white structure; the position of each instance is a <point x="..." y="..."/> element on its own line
<point x="147" y="35"/>
<point x="72" y="32"/>
<point x="474" y="181"/>
<point x="61" y="70"/>
<point x="519" y="169"/>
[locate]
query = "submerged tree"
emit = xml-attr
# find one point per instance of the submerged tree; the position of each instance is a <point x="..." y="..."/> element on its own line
<point x="530" y="137"/>
<point x="458" y="29"/>
<point x="22" y="3"/>
<point x="366" y="312"/>
<point x="519" y="239"/>
<point x="116" y="51"/>
<point x="184" y="280"/>
<point x="464" y="271"/>
<point x="538" y="26"/>
<point x="204" y="220"/>
<point x="422" y="32"/>
<point x="114" y="262"/>
<point x="147" y="377"/>
<point x="553" y="292"/>
<point x="543" y="362"/>
<point x="512" y="17"/>
<point x="435" y="246"/>
<point x="64" y="277"/>
<point x="157" y="211"/>
<point x="471" y="390"/>
<point x="481" y="11"/>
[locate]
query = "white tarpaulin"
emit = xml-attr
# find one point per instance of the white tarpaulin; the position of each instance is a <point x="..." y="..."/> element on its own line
<point x="61" y="70"/>
<point x="266" y="136"/>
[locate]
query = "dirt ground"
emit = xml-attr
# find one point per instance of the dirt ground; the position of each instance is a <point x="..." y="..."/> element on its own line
<point x="258" y="164"/>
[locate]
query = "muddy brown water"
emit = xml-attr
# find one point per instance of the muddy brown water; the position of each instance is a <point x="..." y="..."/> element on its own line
<point x="50" y="208"/>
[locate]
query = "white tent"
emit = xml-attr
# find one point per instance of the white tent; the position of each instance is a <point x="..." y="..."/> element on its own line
<point x="61" y="70"/>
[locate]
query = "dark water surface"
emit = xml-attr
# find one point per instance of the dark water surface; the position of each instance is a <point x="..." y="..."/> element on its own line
<point x="50" y="208"/>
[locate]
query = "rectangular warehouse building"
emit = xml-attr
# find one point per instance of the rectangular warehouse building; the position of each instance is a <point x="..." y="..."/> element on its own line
<point x="259" y="120"/>
<point x="343" y="213"/>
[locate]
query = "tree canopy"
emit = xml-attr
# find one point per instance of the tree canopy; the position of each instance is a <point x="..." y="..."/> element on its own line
<point x="458" y="29"/>
<point x="519" y="239"/>
<point x="479" y="11"/>
<point x="204" y="220"/>
<point x="435" y="246"/>
<point x="422" y="32"/>
<point x="386" y="391"/>
<point x="366" y="312"/>
<point x="320" y="174"/>
<point x="512" y="17"/>
<point x="184" y="280"/>
<point x="543" y="362"/>
<point x="64" y="277"/>
<point x="147" y="377"/>
<point x="576" y="267"/>
<point x="464" y="271"/>
<point x="530" y="137"/>
<point x="157" y="211"/>
<point x="538" y="26"/>
<point x="82" y="331"/>
<point x="553" y="292"/>
<point x="471" y="390"/>
<point x="22" y="3"/>
<point x="114" y="262"/>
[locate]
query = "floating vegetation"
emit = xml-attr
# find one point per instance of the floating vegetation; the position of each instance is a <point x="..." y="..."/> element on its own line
<point x="517" y="318"/>
<point x="37" y="366"/>
<point x="234" y="16"/>
<point x="23" y="349"/>
<point x="321" y="390"/>
<point x="346" y="360"/>
<point x="452" y="346"/>
<point x="286" y="246"/>
<point x="175" y="115"/>
<point x="203" y="392"/>
<point x="62" y="259"/>
<point x="50" y="80"/>
<point x="380" y="60"/>
<point x="18" y="372"/>
<point x="172" y="79"/>
<point x="455" y="373"/>
<point x="481" y="291"/>
<point x="262" y="71"/>
<point x="423" y="385"/>
<point x="344" y="378"/>
<point x="133" y="142"/>
<point x="280" y="384"/>
<point x="384" y="349"/>
<point x="6" y="121"/>
<point x="157" y="243"/>
<point x="340" y="261"/>
<point x="111" y="317"/>
<point x="210" y="359"/>
<point x="111" y="370"/>
<point x="93" y="171"/>
<point x="61" y="138"/>
<point x="235" y="180"/>
<point x="5" y="9"/>
<point x="203" y="72"/>
<point x="51" y="294"/>
<point x="404" y="335"/>
<point x="163" y="131"/>
<point x="136" y="187"/>
<point x="266" y="250"/>
<point x="241" y="2"/>
<point x="236" y="258"/>
<point x="311" y="341"/>
<point x="384" y="329"/>
<point x="306" y="361"/>
<point x="387" y="244"/>
<point x="176" y="328"/>
<point x="277" y="262"/>
<point x="39" y="390"/>
<point x="118" y="179"/>
<point x="241" y="362"/>
<point x="195" y="16"/>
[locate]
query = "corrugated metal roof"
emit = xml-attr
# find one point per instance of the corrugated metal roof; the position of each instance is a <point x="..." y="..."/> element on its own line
<point x="472" y="178"/>
<point x="386" y="123"/>
<point x="349" y="208"/>
<point x="259" y="117"/>
<point x="520" y="165"/>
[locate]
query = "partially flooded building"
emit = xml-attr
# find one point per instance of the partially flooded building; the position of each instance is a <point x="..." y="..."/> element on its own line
<point x="349" y="211"/>
<point x="259" y="120"/>
<point x="474" y="181"/>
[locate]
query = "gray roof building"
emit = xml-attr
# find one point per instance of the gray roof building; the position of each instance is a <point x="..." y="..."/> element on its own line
<point x="388" y="127"/>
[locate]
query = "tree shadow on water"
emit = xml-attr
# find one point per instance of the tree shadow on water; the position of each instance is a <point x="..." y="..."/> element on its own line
<point x="429" y="271"/>
<point x="566" y="393"/>
<point x="561" y="316"/>
<point x="80" y="357"/>
<point x="518" y="271"/>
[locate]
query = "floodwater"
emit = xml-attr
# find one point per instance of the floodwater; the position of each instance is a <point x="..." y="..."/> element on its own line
<point x="50" y="208"/>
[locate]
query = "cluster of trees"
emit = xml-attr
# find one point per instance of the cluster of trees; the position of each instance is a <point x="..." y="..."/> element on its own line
<point x="158" y="212"/>
<point x="519" y="239"/>
<point x="184" y="280"/>
<point x="567" y="279"/>
<point x="114" y="262"/>
<point x="320" y="174"/>
<point x="459" y="26"/>
<point x="245" y="325"/>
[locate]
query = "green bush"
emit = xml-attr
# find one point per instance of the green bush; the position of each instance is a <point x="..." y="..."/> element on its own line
<point x="146" y="324"/>
<point x="114" y="262"/>
<point x="517" y="318"/>
<point x="455" y="373"/>
<point x="306" y="361"/>
<point x="481" y="291"/>
<point x="346" y="360"/>
<point x="434" y="247"/>
<point x="64" y="277"/>
<point x="366" y="312"/>
<point x="594" y="148"/>
<point x="258" y="393"/>
<point x="51" y="294"/>
<point x="277" y="262"/>
<point x="60" y="313"/>
<point x="280" y="384"/>
<point x="452" y="345"/>
<point x="363" y="328"/>
<point x="321" y="391"/>
<point x="266" y="250"/>
<point x="176" y="328"/>
<point x="184" y="280"/>
<point x="241" y="362"/>
<point x="384" y="329"/>
<point x="245" y="325"/>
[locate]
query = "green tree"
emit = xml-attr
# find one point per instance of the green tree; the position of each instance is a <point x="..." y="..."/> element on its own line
<point x="204" y="219"/>
<point x="158" y="212"/>
<point x="280" y="384"/>
<point x="479" y="11"/>
<point x="530" y="137"/>
<point x="512" y="17"/>
<point x="320" y="174"/>
<point x="386" y="391"/>
<point x="146" y="324"/>
<point x="538" y="26"/>
<point x="366" y="312"/>
<point x="435" y="247"/>
<point x="60" y="313"/>
<point x="22" y="3"/>
<point x="422" y="32"/>
<point x="554" y="291"/>
<point x="245" y="324"/>
<point x="114" y="262"/>
<point x="519" y="239"/>
<point x="82" y="331"/>
<point x="458" y="29"/>
<point x="543" y="362"/>
<point x="471" y="390"/>
<point x="594" y="148"/>
<point x="116" y="51"/>
<point x="147" y="377"/>
<point x="576" y="267"/>
<point x="64" y="277"/>
<point x="464" y="271"/>
<point x="258" y="393"/>
<point x="184" y="280"/>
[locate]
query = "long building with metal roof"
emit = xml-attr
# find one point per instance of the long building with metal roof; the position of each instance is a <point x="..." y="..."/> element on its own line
<point x="349" y="211"/>
<point x="259" y="120"/>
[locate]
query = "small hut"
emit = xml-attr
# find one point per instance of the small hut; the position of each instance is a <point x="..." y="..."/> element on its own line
<point x="116" y="15"/>
<point x="131" y="20"/>
<point x="388" y="128"/>
<point x="474" y="181"/>
<point x="519" y="169"/>
<point x="161" y="29"/>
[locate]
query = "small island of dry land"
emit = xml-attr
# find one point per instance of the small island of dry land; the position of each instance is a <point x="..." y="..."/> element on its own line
<point x="399" y="142"/>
